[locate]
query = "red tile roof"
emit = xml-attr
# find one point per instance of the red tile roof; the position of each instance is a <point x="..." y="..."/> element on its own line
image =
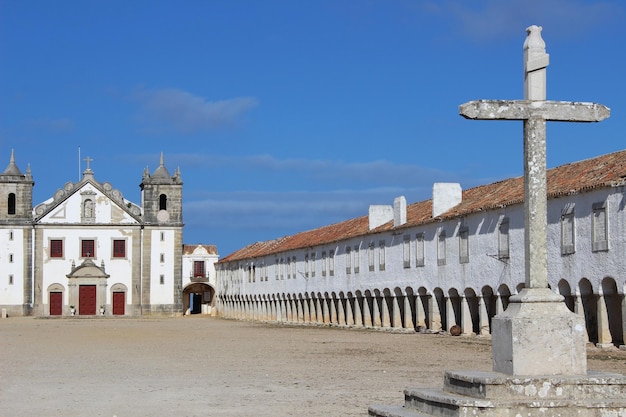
<point x="603" y="171"/>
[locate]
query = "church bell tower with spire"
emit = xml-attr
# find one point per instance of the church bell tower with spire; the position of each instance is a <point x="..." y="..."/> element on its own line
<point x="162" y="203"/>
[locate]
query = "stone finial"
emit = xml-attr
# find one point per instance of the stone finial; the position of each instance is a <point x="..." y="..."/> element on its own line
<point x="535" y="62"/>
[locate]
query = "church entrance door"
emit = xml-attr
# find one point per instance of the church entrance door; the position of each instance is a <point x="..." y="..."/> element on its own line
<point x="119" y="300"/>
<point x="87" y="300"/>
<point x="56" y="303"/>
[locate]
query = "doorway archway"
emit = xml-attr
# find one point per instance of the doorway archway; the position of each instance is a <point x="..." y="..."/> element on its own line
<point x="198" y="298"/>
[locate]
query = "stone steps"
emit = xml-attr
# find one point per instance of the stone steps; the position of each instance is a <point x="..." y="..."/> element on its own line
<point x="492" y="394"/>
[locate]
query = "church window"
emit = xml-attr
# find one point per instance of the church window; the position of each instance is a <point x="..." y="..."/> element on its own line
<point x="463" y="245"/>
<point x="324" y="263"/>
<point x="441" y="248"/>
<point x="381" y="255"/>
<point x="419" y="249"/>
<point x="198" y="269"/>
<point x="503" y="239"/>
<point x="370" y="256"/>
<point x="568" y="229"/>
<point x="356" y="259"/>
<point x="10" y="279"/>
<point x="119" y="248"/>
<point x="406" y="251"/>
<point x="87" y="248"/>
<point x="162" y="279"/>
<point x="11" y="207"/>
<point x="162" y="202"/>
<point x="331" y="262"/>
<point x="56" y="248"/>
<point x="600" y="228"/>
<point x="348" y="260"/>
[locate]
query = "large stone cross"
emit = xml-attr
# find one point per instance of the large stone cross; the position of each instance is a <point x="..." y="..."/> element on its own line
<point x="535" y="111"/>
<point x="536" y="334"/>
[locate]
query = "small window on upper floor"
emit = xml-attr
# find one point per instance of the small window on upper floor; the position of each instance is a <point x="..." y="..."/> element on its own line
<point x="441" y="248"/>
<point x="463" y="245"/>
<point x="381" y="255"/>
<point x="10" y="234"/>
<point x="348" y="260"/>
<point x="323" y="263"/>
<point x="162" y="202"/>
<point x="10" y="279"/>
<point x="56" y="248"/>
<point x="503" y="239"/>
<point x="331" y="262"/>
<point x="11" y="203"/>
<point x="119" y="248"/>
<point x="419" y="249"/>
<point x="370" y="256"/>
<point x="162" y="236"/>
<point x="88" y="248"/>
<point x="568" y="230"/>
<point x="10" y="258"/>
<point x="600" y="227"/>
<point x="406" y="251"/>
<point x="162" y="258"/>
<point x="356" y="259"/>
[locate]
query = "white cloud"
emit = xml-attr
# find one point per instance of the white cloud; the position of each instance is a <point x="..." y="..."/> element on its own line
<point x="187" y="113"/>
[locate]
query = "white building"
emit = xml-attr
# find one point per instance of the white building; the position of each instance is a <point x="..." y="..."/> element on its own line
<point x="87" y="250"/>
<point x="452" y="260"/>
<point x="199" y="279"/>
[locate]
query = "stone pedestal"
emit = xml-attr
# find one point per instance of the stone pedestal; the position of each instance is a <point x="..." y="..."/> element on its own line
<point x="493" y="394"/>
<point x="538" y="335"/>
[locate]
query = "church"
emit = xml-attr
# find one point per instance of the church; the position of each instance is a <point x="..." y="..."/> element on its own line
<point x="449" y="263"/>
<point x="88" y="251"/>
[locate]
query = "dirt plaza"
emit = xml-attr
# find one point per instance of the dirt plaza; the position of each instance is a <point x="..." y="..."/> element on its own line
<point x="200" y="366"/>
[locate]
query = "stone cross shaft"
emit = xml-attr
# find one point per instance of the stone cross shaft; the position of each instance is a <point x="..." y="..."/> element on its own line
<point x="535" y="111"/>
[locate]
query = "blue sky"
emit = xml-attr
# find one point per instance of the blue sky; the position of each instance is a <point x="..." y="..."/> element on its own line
<point x="288" y="115"/>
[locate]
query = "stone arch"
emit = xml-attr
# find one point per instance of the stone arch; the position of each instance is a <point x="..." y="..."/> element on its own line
<point x="504" y="293"/>
<point x="489" y="303"/>
<point x="519" y="287"/>
<point x="613" y="308"/>
<point x="368" y="305"/>
<point x="471" y="306"/>
<point x="590" y="308"/>
<point x="423" y="314"/>
<point x="440" y="301"/>
<point x="409" y="311"/>
<point x="453" y="307"/>
<point x="565" y="290"/>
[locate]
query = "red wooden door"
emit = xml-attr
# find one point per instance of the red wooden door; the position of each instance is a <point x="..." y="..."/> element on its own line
<point x="119" y="301"/>
<point x="56" y="303"/>
<point x="87" y="300"/>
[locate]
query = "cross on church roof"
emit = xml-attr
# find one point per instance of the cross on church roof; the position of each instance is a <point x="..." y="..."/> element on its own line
<point x="534" y="110"/>
<point x="88" y="160"/>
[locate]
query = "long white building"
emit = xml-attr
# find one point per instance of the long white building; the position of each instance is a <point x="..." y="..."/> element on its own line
<point x="451" y="260"/>
<point x="89" y="251"/>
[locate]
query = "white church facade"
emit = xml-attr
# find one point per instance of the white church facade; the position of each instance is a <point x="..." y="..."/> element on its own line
<point x="453" y="260"/>
<point x="89" y="251"/>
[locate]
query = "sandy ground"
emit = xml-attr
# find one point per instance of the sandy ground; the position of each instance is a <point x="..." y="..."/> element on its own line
<point x="200" y="366"/>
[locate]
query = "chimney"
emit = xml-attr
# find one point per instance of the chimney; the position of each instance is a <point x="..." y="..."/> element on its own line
<point x="399" y="211"/>
<point x="380" y="215"/>
<point x="446" y="195"/>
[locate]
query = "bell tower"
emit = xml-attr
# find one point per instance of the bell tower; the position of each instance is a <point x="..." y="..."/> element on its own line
<point x="162" y="196"/>
<point x="16" y="194"/>
<point x="162" y="203"/>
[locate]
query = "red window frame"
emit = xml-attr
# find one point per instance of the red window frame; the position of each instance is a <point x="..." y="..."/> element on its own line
<point x="198" y="269"/>
<point x="56" y="248"/>
<point x="119" y="248"/>
<point x="87" y="248"/>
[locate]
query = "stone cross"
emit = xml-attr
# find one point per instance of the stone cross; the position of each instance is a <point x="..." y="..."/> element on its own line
<point x="88" y="160"/>
<point x="535" y="111"/>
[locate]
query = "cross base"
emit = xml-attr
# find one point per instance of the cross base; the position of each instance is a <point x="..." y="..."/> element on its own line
<point x="538" y="335"/>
